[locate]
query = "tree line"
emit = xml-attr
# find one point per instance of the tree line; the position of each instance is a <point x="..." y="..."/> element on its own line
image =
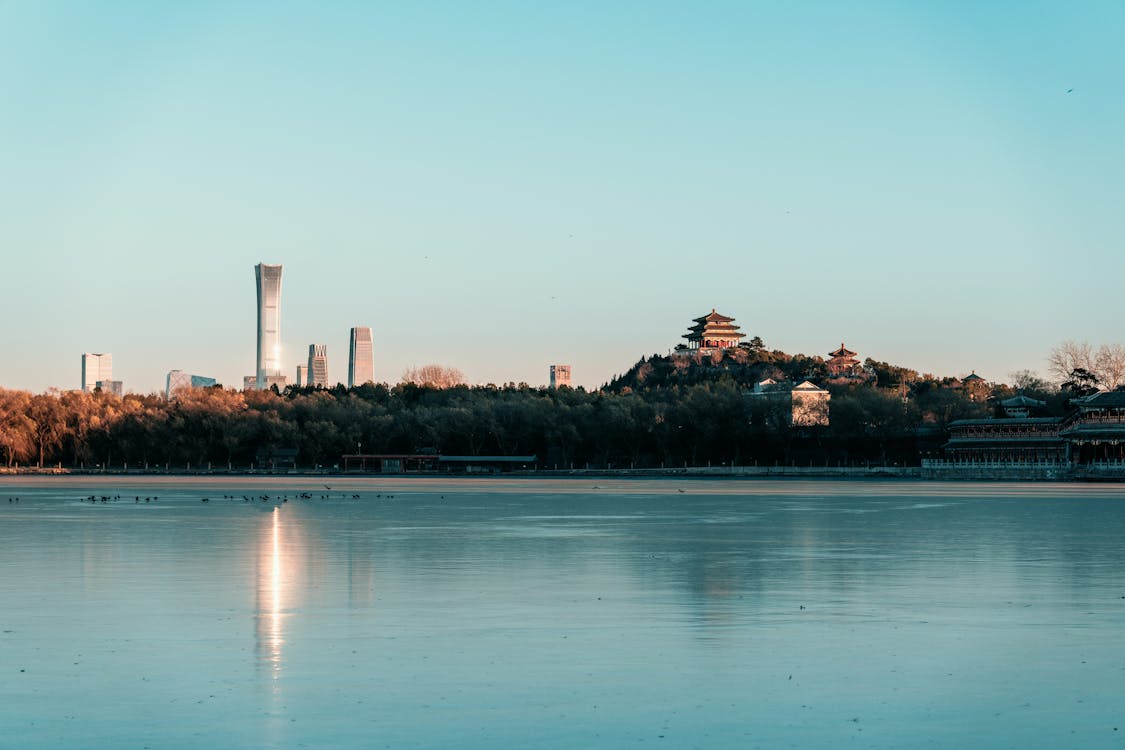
<point x="665" y="411"/>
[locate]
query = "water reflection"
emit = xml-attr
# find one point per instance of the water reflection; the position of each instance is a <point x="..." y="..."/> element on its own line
<point x="278" y="555"/>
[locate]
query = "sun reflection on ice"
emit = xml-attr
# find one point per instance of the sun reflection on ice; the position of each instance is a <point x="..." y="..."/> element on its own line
<point x="271" y="595"/>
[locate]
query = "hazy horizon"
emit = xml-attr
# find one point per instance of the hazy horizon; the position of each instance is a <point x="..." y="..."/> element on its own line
<point x="498" y="187"/>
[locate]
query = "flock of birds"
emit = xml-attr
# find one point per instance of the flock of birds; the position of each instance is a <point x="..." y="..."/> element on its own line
<point x="284" y="498"/>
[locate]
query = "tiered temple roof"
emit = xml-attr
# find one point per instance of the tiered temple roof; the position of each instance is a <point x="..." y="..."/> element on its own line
<point x="713" y="331"/>
<point x="842" y="362"/>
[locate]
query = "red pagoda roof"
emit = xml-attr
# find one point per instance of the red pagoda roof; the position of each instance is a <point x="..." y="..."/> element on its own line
<point x="714" y="317"/>
<point x="713" y="326"/>
<point x="842" y="352"/>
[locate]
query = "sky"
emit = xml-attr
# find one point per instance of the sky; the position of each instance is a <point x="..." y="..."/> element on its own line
<point x="499" y="186"/>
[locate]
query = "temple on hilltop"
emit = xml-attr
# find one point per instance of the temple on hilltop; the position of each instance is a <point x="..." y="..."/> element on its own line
<point x="842" y="363"/>
<point x="711" y="332"/>
<point x="844" y="368"/>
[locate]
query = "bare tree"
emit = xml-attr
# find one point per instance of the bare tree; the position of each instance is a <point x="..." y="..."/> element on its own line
<point x="1109" y="365"/>
<point x="1106" y="364"/>
<point x="435" y="376"/>
<point x="1069" y="356"/>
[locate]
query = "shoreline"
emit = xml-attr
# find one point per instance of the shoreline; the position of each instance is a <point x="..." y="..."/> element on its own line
<point x="919" y="473"/>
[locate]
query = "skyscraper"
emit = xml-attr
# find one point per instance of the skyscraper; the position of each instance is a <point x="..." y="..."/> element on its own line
<point x="96" y="367"/>
<point x="269" y="322"/>
<point x="302" y="376"/>
<point x="361" y="357"/>
<point x="116" y="387"/>
<point x="560" y="376"/>
<point x="318" y="365"/>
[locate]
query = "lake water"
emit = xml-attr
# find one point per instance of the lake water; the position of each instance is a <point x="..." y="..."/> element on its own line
<point x="432" y="613"/>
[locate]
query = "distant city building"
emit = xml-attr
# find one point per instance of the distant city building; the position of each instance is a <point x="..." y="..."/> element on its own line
<point x="560" y="376"/>
<point x="361" y="357"/>
<point x="710" y="333"/>
<point x="179" y="380"/>
<point x="96" y="367"/>
<point x="318" y="365"/>
<point x="302" y="375"/>
<point x="268" y="280"/>
<point x="116" y="387"/>
<point x="281" y="381"/>
<point x="250" y="383"/>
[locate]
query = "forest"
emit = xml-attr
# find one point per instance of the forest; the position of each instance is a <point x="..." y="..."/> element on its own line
<point x="665" y="411"/>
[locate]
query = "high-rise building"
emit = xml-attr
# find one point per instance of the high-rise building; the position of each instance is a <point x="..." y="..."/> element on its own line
<point x="361" y="357"/>
<point x="302" y="376"/>
<point x="269" y="323"/>
<point x="116" y="387"/>
<point x="180" y="380"/>
<point x="560" y="376"/>
<point x="96" y="367"/>
<point x="249" y="382"/>
<point x="318" y="365"/>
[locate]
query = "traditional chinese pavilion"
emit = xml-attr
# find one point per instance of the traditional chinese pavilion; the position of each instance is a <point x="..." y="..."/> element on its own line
<point x="843" y="363"/>
<point x="713" y="331"/>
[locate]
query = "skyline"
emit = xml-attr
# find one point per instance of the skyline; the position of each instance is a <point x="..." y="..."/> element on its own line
<point x="936" y="187"/>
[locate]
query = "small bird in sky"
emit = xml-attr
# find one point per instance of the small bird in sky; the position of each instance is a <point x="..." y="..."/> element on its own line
<point x="1069" y="90"/>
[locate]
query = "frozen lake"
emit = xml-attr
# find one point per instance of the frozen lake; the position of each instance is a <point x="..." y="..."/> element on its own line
<point x="437" y="613"/>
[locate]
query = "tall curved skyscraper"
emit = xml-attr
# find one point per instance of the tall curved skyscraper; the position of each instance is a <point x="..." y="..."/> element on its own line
<point x="269" y="322"/>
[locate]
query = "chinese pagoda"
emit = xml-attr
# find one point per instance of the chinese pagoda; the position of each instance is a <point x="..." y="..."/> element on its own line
<point x="712" y="332"/>
<point x="843" y="363"/>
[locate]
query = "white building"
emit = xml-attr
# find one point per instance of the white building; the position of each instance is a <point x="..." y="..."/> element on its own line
<point x="96" y="367"/>
<point x="805" y="404"/>
<point x="810" y="405"/>
<point x="268" y="280"/>
<point x="302" y="376"/>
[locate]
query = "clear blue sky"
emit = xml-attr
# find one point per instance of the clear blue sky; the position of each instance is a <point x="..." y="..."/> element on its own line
<point x="499" y="186"/>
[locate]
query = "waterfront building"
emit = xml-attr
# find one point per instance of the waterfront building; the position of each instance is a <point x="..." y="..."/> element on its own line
<point x="116" y="387"/>
<point x="96" y="367"/>
<point x="268" y="280"/>
<point x="302" y="375"/>
<point x="1096" y="432"/>
<point x="1020" y="406"/>
<point x="361" y="357"/>
<point x="1006" y="441"/>
<point x="318" y="365"/>
<point x="178" y="380"/>
<point x="560" y="376"/>
<point x="712" y="332"/>
<point x="1092" y="437"/>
